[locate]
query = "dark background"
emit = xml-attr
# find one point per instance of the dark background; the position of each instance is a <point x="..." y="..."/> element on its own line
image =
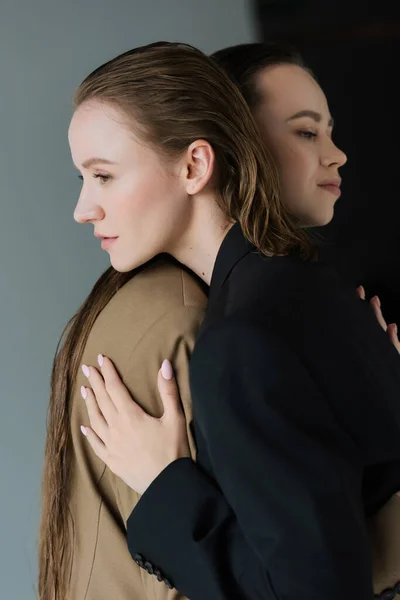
<point x="353" y="49"/>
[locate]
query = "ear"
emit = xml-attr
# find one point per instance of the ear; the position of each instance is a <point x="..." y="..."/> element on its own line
<point x="199" y="164"/>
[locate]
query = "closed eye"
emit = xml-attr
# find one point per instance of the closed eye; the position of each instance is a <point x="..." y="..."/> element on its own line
<point x="103" y="178"/>
<point x="308" y="135"/>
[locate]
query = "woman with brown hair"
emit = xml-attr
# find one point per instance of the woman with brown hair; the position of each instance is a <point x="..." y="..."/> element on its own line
<point x="143" y="186"/>
<point x="277" y="84"/>
<point x="141" y="313"/>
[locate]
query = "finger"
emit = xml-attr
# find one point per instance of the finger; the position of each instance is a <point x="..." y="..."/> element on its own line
<point x="361" y="292"/>
<point x="95" y="442"/>
<point x="376" y="305"/>
<point x="168" y="390"/>
<point x="103" y="400"/>
<point x="393" y="336"/>
<point x="96" y="418"/>
<point x="116" y="389"/>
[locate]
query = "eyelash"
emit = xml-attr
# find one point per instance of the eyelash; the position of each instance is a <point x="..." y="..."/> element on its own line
<point x="103" y="178"/>
<point x="308" y="135"/>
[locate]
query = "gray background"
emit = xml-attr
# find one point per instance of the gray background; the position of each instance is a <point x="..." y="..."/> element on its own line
<point x="48" y="263"/>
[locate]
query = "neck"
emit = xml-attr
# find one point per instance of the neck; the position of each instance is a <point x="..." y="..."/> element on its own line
<point x="198" y="246"/>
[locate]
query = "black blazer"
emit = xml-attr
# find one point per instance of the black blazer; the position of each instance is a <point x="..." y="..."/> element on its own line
<point x="296" y="396"/>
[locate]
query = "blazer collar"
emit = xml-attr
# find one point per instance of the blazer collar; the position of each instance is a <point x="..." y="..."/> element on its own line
<point x="233" y="248"/>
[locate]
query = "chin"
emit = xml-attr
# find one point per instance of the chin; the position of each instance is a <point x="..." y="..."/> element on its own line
<point x="325" y="213"/>
<point x="122" y="269"/>
<point x="319" y="218"/>
<point x="124" y="266"/>
<point x="324" y="220"/>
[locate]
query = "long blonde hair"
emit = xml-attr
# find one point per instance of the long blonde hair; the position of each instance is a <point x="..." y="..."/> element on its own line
<point x="174" y="94"/>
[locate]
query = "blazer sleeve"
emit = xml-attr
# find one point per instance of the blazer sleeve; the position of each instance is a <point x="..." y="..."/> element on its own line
<point x="285" y="518"/>
<point x="172" y="337"/>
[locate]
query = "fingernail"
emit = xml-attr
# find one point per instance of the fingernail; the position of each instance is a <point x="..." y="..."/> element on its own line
<point x="83" y="429"/>
<point x="378" y="301"/>
<point x="166" y="370"/>
<point x="395" y="329"/>
<point x="100" y="359"/>
<point x="86" y="370"/>
<point x="83" y="392"/>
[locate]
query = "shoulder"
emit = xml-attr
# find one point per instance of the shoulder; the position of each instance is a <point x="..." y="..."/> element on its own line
<point x="168" y="283"/>
<point x="158" y="289"/>
<point x="306" y="302"/>
<point x="310" y="290"/>
<point x="280" y="278"/>
<point x="160" y="304"/>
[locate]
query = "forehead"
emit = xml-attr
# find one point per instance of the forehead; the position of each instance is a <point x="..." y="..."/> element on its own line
<point x="95" y="126"/>
<point x="287" y="89"/>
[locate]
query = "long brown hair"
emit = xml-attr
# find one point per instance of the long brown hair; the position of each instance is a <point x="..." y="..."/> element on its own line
<point x="53" y="540"/>
<point x="172" y="95"/>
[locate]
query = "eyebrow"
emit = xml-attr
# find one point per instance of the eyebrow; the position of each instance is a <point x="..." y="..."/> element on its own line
<point x="91" y="161"/>
<point x="316" y="116"/>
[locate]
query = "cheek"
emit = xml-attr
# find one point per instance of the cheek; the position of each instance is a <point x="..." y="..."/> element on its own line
<point x="296" y="176"/>
<point x="148" y="205"/>
<point x="137" y="197"/>
<point x="292" y="170"/>
<point x="298" y="169"/>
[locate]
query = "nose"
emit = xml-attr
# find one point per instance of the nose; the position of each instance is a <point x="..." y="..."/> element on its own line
<point x="333" y="156"/>
<point x="87" y="211"/>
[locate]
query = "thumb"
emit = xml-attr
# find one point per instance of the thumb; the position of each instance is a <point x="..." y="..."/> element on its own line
<point x="168" y="389"/>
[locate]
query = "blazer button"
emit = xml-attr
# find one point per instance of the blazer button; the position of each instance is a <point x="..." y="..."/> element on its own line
<point x="149" y="567"/>
<point x="138" y="558"/>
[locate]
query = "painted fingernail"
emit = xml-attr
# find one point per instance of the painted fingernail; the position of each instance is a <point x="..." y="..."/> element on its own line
<point x="166" y="370"/>
<point x="83" y="392"/>
<point x="86" y="370"/>
<point x="100" y="359"/>
<point x="83" y="429"/>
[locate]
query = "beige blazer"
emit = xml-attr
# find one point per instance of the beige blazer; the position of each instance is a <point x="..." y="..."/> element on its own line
<point x="154" y="316"/>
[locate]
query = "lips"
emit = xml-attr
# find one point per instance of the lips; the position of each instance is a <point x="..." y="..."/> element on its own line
<point x="331" y="185"/>
<point x="104" y="237"/>
<point x="107" y="242"/>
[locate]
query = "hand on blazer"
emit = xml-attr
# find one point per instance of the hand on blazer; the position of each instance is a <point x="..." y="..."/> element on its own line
<point x="134" y="445"/>
<point x="137" y="447"/>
